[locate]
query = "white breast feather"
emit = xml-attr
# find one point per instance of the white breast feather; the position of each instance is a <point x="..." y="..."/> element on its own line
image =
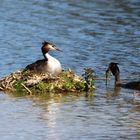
<point x="54" y="65"/>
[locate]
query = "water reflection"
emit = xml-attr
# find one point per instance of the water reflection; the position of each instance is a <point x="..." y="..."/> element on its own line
<point x="114" y="92"/>
<point x="80" y="113"/>
<point x="59" y="111"/>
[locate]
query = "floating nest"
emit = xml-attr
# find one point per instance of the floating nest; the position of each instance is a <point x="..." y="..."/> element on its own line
<point x="25" y="82"/>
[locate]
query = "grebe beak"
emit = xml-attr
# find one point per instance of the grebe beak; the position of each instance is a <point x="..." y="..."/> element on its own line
<point x="57" y="48"/>
<point x="106" y="74"/>
<point x="107" y="71"/>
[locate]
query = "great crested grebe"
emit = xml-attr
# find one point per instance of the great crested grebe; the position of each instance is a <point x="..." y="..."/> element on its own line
<point x="113" y="67"/>
<point x="47" y="65"/>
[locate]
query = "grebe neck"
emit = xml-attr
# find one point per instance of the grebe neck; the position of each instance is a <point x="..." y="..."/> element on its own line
<point x="46" y="55"/>
<point x="117" y="79"/>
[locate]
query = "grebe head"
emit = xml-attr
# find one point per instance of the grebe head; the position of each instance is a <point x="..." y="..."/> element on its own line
<point x="113" y="68"/>
<point x="47" y="46"/>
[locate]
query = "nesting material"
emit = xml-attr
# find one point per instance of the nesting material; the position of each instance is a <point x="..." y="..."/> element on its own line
<point x="36" y="83"/>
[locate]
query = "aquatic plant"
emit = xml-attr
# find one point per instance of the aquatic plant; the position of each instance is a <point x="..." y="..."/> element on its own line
<point x="89" y="79"/>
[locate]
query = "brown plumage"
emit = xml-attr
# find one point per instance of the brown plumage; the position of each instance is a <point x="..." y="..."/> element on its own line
<point x="38" y="66"/>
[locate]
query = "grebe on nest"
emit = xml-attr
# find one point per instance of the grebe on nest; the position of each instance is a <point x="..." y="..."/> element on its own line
<point x="113" y="67"/>
<point x="47" y="65"/>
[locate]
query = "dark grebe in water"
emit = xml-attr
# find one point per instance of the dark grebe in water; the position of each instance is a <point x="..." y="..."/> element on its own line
<point x="113" y="67"/>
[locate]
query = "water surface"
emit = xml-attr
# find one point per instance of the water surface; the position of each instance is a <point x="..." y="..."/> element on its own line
<point x="91" y="33"/>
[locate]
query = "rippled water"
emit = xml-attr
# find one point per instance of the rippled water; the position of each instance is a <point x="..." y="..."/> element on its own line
<point x="92" y="33"/>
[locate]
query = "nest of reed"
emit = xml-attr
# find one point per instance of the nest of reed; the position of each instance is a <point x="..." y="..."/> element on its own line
<point x="26" y="82"/>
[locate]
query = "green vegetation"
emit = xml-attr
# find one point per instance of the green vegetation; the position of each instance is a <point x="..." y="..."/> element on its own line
<point x="89" y="79"/>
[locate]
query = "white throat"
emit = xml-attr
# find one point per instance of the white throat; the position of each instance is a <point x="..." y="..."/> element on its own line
<point x="53" y="64"/>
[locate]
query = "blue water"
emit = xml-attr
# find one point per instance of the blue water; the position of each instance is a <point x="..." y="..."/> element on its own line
<point x="91" y="33"/>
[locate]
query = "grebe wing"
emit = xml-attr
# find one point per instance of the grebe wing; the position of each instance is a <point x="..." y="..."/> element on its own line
<point x="37" y="66"/>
